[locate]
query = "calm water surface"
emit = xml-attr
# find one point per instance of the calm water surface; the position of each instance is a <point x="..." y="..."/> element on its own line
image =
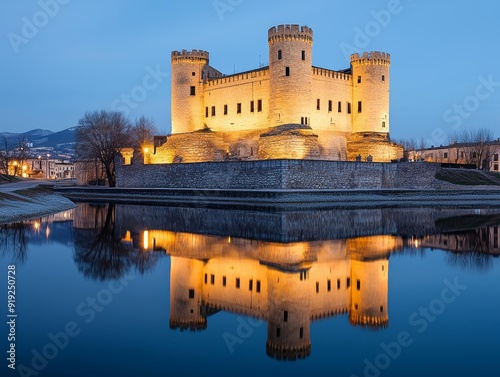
<point x="158" y="291"/>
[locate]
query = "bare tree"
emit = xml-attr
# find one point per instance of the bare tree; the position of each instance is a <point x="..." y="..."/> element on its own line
<point x="476" y="146"/>
<point x="100" y="134"/>
<point x="143" y="132"/>
<point x="5" y="155"/>
<point x="12" y="158"/>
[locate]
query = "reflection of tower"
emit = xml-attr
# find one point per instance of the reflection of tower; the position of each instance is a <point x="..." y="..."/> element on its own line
<point x="288" y="329"/>
<point x="369" y="285"/>
<point x="185" y="294"/>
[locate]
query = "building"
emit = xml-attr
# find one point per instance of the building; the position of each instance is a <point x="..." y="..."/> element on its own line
<point x="482" y="155"/>
<point x="47" y="168"/>
<point x="289" y="109"/>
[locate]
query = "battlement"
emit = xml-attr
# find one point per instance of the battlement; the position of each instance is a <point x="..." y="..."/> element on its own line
<point x="331" y="73"/>
<point x="290" y="33"/>
<point x="287" y="353"/>
<point x="373" y="57"/>
<point x="193" y="55"/>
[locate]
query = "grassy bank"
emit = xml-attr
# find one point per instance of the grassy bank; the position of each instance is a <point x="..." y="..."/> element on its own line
<point x="469" y="177"/>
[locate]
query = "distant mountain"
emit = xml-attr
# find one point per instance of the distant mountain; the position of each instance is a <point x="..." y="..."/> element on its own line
<point x="43" y="138"/>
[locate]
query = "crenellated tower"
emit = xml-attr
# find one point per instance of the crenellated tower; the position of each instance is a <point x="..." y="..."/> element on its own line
<point x="370" y="92"/>
<point x="187" y="90"/>
<point x="290" y="62"/>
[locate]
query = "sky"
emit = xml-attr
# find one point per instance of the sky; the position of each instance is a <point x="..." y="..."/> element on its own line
<point x="62" y="58"/>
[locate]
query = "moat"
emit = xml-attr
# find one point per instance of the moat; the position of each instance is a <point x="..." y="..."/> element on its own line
<point x="185" y="291"/>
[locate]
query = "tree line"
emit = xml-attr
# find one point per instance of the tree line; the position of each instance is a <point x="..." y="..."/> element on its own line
<point x="475" y="145"/>
<point x="100" y="134"/>
<point x="13" y="155"/>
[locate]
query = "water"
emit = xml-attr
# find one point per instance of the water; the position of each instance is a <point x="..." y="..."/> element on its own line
<point x="158" y="291"/>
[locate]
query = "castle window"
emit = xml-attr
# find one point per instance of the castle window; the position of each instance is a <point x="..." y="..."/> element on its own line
<point x="287" y="71"/>
<point x="223" y="281"/>
<point x="279" y="55"/>
<point x="285" y="315"/>
<point x="213" y="111"/>
<point x="303" y="54"/>
<point x="259" y="105"/>
<point x="191" y="293"/>
<point x="461" y="154"/>
<point x="252" y="107"/>
<point x="192" y="90"/>
<point x="317" y="287"/>
<point x="359" y="106"/>
<point x="301" y="332"/>
<point x="359" y="79"/>
<point x="237" y="282"/>
<point x="348" y="107"/>
<point x="330" y="106"/>
<point x="495" y="167"/>
<point x="206" y="112"/>
<point x="358" y="284"/>
<point x="383" y="77"/>
<point x="318" y="104"/>
<point x="356" y="306"/>
<point x="338" y="283"/>
<point x="193" y="73"/>
<point x="238" y="108"/>
<point x="329" y="285"/>
<point x="250" y="285"/>
<point x="348" y="282"/>
<point x="212" y="279"/>
<point x="381" y="309"/>
<point x="382" y="267"/>
<point x="445" y="154"/>
<point x="278" y="332"/>
<point x="257" y="286"/>
<point x="205" y="278"/>
<point x="303" y="120"/>
<point x="339" y="107"/>
<point x="225" y="109"/>
<point x="383" y="124"/>
<point x="495" y="157"/>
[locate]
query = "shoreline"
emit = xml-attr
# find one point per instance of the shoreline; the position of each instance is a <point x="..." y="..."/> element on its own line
<point x="288" y="200"/>
<point x="30" y="202"/>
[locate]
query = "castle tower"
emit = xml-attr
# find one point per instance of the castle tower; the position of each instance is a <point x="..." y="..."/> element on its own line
<point x="370" y="106"/>
<point x="186" y="294"/>
<point x="288" y="326"/>
<point x="187" y="90"/>
<point x="290" y="74"/>
<point x="369" y="290"/>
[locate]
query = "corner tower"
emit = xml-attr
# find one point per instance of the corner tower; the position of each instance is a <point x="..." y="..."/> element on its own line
<point x="290" y="74"/>
<point x="370" y="77"/>
<point x="187" y="90"/>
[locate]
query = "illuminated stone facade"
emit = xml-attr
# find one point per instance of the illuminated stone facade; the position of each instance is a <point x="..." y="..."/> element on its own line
<point x="288" y="109"/>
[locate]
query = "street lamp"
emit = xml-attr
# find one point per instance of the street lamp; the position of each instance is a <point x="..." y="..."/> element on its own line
<point x="47" y="167"/>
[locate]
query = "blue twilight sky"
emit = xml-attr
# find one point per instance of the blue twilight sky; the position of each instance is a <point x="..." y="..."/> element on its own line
<point x="61" y="58"/>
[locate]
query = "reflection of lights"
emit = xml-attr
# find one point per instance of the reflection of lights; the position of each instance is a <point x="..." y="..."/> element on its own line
<point x="229" y="239"/>
<point x="37" y="225"/>
<point x="128" y="237"/>
<point x="47" y="231"/>
<point x="146" y="240"/>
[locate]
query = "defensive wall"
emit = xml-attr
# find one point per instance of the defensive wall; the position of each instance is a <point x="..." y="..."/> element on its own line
<point x="277" y="174"/>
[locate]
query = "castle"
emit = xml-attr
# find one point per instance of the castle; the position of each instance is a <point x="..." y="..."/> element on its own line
<point x="289" y="109"/>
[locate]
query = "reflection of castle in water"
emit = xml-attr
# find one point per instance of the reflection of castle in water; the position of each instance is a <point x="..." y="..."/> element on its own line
<point x="287" y="285"/>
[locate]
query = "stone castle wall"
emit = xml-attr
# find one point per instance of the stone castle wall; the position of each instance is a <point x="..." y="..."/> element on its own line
<point x="277" y="174"/>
